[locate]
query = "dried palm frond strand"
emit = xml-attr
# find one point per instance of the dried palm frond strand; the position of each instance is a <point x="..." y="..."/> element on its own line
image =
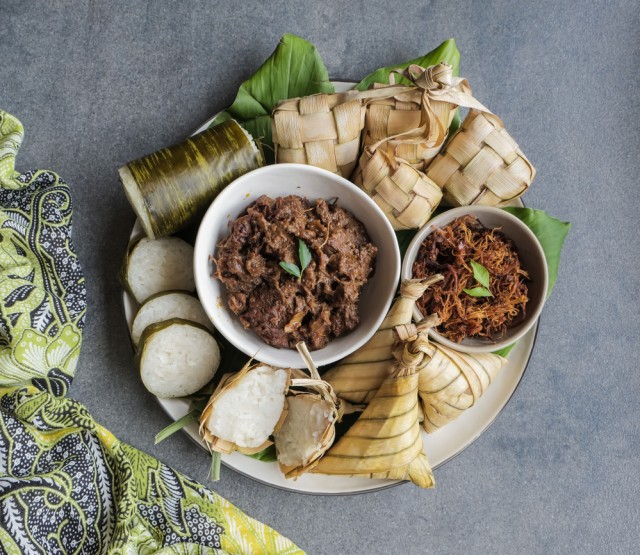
<point x="385" y="441"/>
<point x="358" y="377"/>
<point x="481" y="164"/>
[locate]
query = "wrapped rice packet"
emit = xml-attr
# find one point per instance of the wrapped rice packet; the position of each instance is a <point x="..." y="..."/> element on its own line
<point x="309" y="428"/>
<point x="385" y="441"/>
<point x="416" y="121"/>
<point x="358" y="377"/>
<point x="481" y="164"/>
<point x="402" y="134"/>
<point x="246" y="409"/>
<point x="450" y="381"/>
<point x="323" y="130"/>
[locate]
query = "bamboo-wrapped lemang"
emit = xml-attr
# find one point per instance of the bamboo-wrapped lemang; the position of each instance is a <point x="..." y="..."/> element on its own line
<point x="169" y="189"/>
<point x="357" y="377"/>
<point x="385" y="442"/>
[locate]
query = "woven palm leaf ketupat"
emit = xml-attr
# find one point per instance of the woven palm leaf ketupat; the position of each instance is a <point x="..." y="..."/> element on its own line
<point x="406" y="195"/>
<point x="403" y="133"/>
<point x="319" y="130"/>
<point x="481" y="164"/>
<point x="427" y="109"/>
<point x="323" y="130"/>
<point x="385" y="441"/>
<point x="252" y="406"/>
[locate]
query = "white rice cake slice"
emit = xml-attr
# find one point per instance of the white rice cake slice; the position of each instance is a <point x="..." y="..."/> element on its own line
<point x="177" y="358"/>
<point x="167" y="305"/>
<point x="159" y="265"/>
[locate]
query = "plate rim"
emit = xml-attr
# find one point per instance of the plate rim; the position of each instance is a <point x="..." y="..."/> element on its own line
<point x="392" y="483"/>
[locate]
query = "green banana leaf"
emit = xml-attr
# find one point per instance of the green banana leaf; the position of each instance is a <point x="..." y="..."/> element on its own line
<point x="268" y="454"/>
<point x="550" y="232"/>
<point x="446" y="52"/>
<point x="294" y="69"/>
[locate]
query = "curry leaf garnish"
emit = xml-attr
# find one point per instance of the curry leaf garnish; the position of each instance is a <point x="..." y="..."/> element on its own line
<point x="480" y="273"/>
<point x="291" y="269"/>
<point x="305" y="255"/>
<point x="305" y="258"/>
<point x="478" y="292"/>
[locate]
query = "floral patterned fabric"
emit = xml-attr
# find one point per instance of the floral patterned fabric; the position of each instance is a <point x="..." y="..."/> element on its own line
<point x="67" y="485"/>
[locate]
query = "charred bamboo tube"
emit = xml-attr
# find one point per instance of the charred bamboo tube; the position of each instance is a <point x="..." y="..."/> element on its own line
<point x="172" y="187"/>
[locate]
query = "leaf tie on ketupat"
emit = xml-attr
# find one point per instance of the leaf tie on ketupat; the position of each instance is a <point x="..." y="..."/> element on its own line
<point x="386" y="441"/>
<point x="357" y="377"/>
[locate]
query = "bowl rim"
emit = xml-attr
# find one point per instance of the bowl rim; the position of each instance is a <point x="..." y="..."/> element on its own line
<point x="201" y="274"/>
<point x="445" y="218"/>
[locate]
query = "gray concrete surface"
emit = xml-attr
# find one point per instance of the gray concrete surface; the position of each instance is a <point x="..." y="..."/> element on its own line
<point x="99" y="83"/>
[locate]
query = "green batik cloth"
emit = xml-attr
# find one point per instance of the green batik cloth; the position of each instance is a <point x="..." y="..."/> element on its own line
<point x="67" y="485"/>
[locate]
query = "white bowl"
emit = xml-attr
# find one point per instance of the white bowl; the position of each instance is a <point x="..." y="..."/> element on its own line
<point x="307" y="181"/>
<point x="531" y="256"/>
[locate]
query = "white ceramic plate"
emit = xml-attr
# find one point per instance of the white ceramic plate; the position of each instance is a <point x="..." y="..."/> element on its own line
<point x="439" y="447"/>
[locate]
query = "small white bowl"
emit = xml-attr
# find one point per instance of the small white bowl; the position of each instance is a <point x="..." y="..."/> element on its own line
<point x="307" y="181"/>
<point x="531" y="256"/>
